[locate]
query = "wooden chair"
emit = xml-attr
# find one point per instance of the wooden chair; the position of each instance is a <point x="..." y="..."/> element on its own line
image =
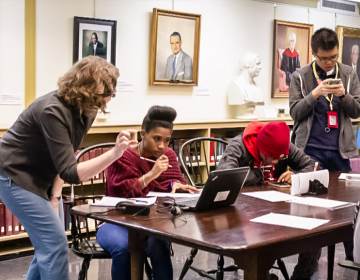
<point x="197" y="166"/>
<point x="83" y="229"/>
<point x="356" y="225"/>
<point x="84" y="242"/>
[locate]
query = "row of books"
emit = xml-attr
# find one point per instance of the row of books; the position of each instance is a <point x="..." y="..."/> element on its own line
<point x="9" y="224"/>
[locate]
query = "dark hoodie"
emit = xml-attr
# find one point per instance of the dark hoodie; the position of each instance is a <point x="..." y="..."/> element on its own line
<point x="242" y="151"/>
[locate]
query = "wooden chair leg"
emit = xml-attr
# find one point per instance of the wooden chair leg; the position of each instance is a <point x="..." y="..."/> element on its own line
<point x="331" y="257"/>
<point x="282" y="268"/>
<point x="358" y="276"/>
<point x="84" y="268"/>
<point x="220" y="268"/>
<point x="188" y="263"/>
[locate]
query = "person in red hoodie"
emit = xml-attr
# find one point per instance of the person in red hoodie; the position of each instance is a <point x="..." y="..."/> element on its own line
<point x="263" y="144"/>
<point x="135" y="176"/>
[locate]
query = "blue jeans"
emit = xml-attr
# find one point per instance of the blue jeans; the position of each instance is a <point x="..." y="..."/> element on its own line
<point x="114" y="239"/>
<point x="44" y="228"/>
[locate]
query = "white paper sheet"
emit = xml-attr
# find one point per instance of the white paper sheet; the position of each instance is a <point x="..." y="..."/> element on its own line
<point x="320" y="202"/>
<point x="290" y="221"/>
<point x="174" y="195"/>
<point x="349" y="177"/>
<point x="112" y="201"/>
<point x="342" y="176"/>
<point x="273" y="196"/>
<point x="300" y="181"/>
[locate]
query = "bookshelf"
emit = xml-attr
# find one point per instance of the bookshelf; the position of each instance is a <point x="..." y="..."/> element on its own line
<point x="106" y="131"/>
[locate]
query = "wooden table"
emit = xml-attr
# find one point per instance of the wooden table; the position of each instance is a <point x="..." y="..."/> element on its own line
<point x="229" y="232"/>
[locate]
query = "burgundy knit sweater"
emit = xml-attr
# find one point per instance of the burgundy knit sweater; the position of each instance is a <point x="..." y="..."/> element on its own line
<point x="123" y="175"/>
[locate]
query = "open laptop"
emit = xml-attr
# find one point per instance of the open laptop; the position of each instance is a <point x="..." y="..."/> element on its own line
<point x="221" y="189"/>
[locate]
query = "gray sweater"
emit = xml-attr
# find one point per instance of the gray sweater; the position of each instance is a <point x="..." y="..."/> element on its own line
<point x="302" y="105"/>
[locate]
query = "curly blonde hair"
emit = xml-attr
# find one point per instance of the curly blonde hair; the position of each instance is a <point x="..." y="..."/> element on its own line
<point x="87" y="83"/>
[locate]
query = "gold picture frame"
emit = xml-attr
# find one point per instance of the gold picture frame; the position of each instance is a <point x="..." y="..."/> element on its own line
<point x="174" y="48"/>
<point x="349" y="45"/>
<point x="287" y="57"/>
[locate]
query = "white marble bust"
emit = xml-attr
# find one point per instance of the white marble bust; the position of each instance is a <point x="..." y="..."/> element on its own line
<point x="243" y="93"/>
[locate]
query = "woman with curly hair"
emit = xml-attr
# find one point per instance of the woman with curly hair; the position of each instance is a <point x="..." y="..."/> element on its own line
<point x="37" y="156"/>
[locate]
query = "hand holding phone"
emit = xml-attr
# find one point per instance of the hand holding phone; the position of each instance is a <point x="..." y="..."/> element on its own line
<point x="331" y="82"/>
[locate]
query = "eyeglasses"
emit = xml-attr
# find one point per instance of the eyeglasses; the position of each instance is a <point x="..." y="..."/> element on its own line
<point x="107" y="94"/>
<point x="329" y="58"/>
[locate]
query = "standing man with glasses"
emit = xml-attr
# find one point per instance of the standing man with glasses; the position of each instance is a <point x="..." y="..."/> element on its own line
<point x="324" y="96"/>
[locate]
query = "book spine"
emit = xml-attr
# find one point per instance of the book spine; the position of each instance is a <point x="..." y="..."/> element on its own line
<point x="2" y="219"/>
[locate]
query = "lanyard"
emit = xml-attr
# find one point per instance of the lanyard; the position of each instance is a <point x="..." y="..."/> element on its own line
<point x="329" y="99"/>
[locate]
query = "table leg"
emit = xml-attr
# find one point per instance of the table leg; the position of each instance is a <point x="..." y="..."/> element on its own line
<point x="331" y="256"/>
<point x="137" y="253"/>
<point x="255" y="267"/>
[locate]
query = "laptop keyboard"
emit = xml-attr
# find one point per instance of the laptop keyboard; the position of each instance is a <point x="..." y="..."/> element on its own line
<point x="186" y="202"/>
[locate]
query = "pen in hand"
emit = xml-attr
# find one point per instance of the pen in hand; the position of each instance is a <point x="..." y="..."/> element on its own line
<point x="151" y="160"/>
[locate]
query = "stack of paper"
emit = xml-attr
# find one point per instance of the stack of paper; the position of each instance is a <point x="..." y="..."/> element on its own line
<point x="320" y="202"/>
<point x="174" y="195"/>
<point x="113" y="201"/>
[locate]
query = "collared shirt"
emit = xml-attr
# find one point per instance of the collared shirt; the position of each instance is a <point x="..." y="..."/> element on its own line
<point x="42" y="142"/>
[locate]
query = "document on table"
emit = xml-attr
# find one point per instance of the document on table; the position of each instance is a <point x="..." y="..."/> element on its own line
<point x="290" y="221"/>
<point x="273" y="196"/>
<point x="113" y="201"/>
<point x="174" y="195"/>
<point x="320" y="202"/>
<point x="349" y="177"/>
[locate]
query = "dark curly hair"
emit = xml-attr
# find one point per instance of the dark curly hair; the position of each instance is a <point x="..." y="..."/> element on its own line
<point x="159" y="116"/>
<point x="87" y="82"/>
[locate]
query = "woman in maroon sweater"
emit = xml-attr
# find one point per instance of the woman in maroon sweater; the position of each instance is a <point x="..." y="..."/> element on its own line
<point x="132" y="176"/>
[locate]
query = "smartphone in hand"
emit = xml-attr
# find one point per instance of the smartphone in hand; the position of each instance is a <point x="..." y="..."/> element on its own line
<point x="331" y="82"/>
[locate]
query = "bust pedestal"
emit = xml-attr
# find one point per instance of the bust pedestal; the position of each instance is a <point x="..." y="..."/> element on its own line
<point x="247" y="111"/>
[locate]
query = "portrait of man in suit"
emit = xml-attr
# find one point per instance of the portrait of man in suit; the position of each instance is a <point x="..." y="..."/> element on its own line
<point x="174" y="51"/>
<point x="96" y="47"/>
<point x="179" y="63"/>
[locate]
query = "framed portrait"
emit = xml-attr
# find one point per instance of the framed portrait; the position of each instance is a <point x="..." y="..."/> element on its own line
<point x="174" y="48"/>
<point x="93" y="36"/>
<point x="291" y="51"/>
<point x="349" y="44"/>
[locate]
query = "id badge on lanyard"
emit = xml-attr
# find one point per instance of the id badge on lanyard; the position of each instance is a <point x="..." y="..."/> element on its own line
<point x="332" y="119"/>
<point x="332" y="116"/>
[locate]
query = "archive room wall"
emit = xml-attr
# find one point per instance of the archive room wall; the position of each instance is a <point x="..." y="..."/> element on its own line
<point x="229" y="28"/>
